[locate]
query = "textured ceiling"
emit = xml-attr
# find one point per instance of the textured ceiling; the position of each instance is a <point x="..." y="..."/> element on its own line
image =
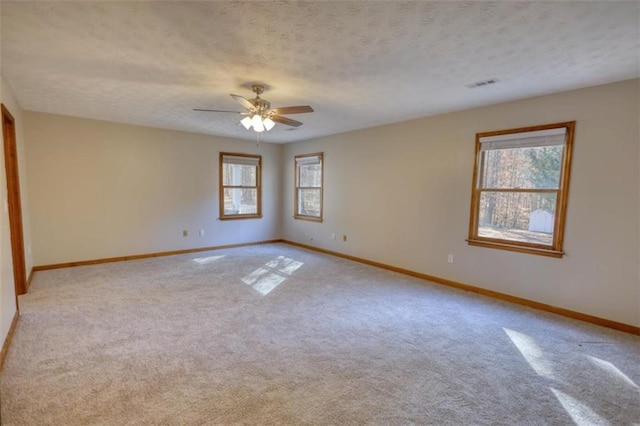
<point x="357" y="63"/>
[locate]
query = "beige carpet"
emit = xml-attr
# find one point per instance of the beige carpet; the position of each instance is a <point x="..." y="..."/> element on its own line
<point x="278" y="335"/>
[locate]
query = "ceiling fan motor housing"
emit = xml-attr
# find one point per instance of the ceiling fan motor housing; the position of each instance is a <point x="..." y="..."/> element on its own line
<point x="262" y="106"/>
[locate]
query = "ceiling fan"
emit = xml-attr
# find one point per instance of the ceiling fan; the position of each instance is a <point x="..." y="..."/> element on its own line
<point x="260" y="115"/>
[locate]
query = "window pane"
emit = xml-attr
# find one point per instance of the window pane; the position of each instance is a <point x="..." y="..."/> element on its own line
<point x="239" y="175"/>
<point x="240" y="201"/>
<point x="517" y="216"/>
<point x="310" y="175"/>
<point x="524" y="168"/>
<point x="309" y="202"/>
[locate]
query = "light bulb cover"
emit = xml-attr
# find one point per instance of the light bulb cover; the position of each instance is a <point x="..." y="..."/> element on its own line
<point x="257" y="123"/>
<point x="268" y="123"/>
<point x="246" y="122"/>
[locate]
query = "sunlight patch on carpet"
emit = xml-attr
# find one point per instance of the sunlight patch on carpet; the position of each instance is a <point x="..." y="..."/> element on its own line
<point x="284" y="265"/>
<point x="263" y="280"/>
<point x="272" y="274"/>
<point x="612" y="370"/>
<point x="205" y="260"/>
<point x="531" y="352"/>
<point x="580" y="413"/>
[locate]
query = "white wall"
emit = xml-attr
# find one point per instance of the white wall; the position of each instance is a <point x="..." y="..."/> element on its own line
<point x="102" y="189"/>
<point x="401" y="193"/>
<point x="7" y="286"/>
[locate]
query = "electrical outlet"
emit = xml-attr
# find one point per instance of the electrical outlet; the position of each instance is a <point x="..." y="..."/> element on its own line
<point x="450" y="259"/>
<point x="344" y="238"/>
<point x="185" y="233"/>
<point x="333" y="235"/>
<point x="201" y="233"/>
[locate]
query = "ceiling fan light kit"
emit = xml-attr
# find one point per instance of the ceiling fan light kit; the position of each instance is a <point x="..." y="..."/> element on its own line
<point x="260" y="116"/>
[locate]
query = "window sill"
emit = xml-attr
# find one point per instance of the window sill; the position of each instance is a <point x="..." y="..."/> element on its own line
<point x="244" y="216"/>
<point x="516" y="248"/>
<point x="309" y="218"/>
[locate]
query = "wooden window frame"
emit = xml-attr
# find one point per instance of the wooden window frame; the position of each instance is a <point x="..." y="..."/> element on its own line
<point x="296" y="187"/>
<point x="556" y="248"/>
<point x="222" y="187"/>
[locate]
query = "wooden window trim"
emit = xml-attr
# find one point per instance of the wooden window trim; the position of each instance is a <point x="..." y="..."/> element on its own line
<point x="556" y="248"/>
<point x="222" y="187"/>
<point x="14" y="204"/>
<point x="296" y="188"/>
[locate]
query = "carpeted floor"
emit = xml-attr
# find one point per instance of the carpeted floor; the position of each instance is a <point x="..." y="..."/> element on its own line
<point x="274" y="334"/>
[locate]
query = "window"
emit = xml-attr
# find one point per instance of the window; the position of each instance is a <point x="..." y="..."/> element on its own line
<point x="520" y="188"/>
<point x="308" y="191"/>
<point x="240" y="186"/>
